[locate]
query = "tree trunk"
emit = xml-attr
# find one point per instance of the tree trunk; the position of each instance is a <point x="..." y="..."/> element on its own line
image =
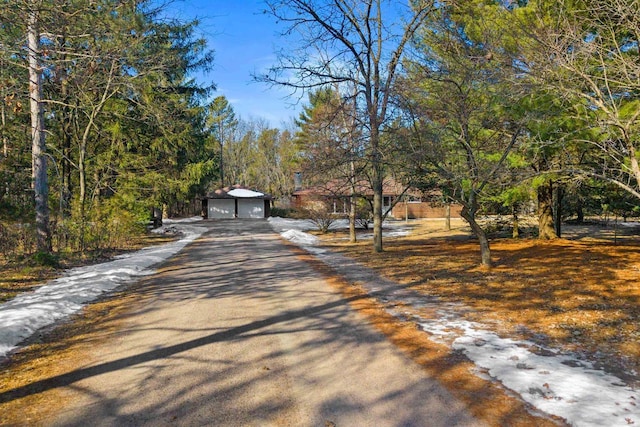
<point x="352" y="204"/>
<point x="3" y="123"/>
<point x="580" y="212"/>
<point x="376" y="183"/>
<point x="38" y="147"/>
<point x="352" y="219"/>
<point x="485" y="250"/>
<point x="66" y="168"/>
<point x="558" y="194"/>
<point x="82" y="180"/>
<point x="516" y="225"/>
<point x="5" y="146"/>
<point x="633" y="157"/>
<point x="447" y="216"/>
<point x="5" y="143"/>
<point x="546" y="229"/>
<point x="221" y="163"/>
<point x="66" y="129"/>
<point x="377" y="209"/>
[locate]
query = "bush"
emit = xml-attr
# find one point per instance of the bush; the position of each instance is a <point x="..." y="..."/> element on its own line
<point x="46" y="259"/>
<point x="318" y="214"/>
<point x="8" y="240"/>
<point x="362" y="223"/>
<point x="282" y="213"/>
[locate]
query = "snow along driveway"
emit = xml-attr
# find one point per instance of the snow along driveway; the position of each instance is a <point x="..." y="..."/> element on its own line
<point x="556" y="383"/>
<point x="235" y="329"/>
<point x="59" y="298"/>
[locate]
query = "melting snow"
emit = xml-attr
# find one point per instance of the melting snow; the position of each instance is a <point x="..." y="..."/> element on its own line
<point x="28" y="312"/>
<point x="242" y="192"/>
<point x="555" y="383"/>
<point x="300" y="237"/>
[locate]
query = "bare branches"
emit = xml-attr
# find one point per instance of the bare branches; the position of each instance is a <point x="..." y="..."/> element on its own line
<point x="360" y="43"/>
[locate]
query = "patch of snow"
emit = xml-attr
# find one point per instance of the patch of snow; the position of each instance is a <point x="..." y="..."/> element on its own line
<point x="555" y="383"/>
<point x="242" y="193"/>
<point x="182" y="220"/>
<point x="283" y="224"/>
<point x="59" y="298"/>
<point x="629" y="224"/>
<point x="390" y="228"/>
<point x="300" y="237"/>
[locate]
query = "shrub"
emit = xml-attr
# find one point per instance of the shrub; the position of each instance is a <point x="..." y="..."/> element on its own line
<point x="282" y="213"/>
<point x="46" y="259"/>
<point x="8" y="240"/>
<point x="318" y="214"/>
<point x="362" y="223"/>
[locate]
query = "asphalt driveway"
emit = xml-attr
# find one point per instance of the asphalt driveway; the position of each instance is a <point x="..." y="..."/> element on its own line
<point x="235" y="330"/>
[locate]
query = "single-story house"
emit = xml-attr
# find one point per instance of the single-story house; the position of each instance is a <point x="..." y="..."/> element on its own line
<point x="236" y="202"/>
<point x="399" y="201"/>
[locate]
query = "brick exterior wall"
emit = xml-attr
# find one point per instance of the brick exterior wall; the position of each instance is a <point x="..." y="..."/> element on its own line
<point x="414" y="209"/>
<point x="423" y="210"/>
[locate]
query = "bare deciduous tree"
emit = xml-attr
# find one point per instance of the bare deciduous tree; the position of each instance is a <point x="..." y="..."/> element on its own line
<point x="361" y="42"/>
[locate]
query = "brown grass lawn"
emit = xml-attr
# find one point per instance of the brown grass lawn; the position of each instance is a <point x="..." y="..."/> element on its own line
<point x="21" y="274"/>
<point x="580" y="293"/>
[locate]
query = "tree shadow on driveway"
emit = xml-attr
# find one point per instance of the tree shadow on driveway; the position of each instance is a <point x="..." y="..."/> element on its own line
<point x="261" y="340"/>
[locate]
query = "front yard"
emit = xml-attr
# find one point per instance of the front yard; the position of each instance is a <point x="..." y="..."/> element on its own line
<point x="579" y="294"/>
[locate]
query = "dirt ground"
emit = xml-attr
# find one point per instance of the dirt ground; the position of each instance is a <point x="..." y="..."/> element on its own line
<point x="580" y="293"/>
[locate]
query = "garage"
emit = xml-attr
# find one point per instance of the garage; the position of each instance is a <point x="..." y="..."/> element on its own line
<point x="250" y="208"/>
<point x="222" y="208"/>
<point x="236" y="202"/>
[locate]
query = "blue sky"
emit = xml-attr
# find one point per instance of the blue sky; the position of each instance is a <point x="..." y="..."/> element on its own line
<point x="244" y="40"/>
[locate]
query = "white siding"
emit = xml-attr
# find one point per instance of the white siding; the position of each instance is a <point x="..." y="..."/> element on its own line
<point x="221" y="208"/>
<point x="250" y="208"/>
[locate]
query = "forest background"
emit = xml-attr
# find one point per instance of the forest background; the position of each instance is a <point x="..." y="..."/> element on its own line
<point x="502" y="106"/>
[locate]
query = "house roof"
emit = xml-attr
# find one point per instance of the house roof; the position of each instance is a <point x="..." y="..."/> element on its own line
<point x="338" y="188"/>
<point x="236" y="192"/>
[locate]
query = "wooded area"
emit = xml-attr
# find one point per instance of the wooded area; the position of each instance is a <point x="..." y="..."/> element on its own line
<point x="503" y="106"/>
<point x="102" y="121"/>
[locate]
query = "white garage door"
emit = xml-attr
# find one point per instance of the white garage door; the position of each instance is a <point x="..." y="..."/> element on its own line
<point x="250" y="208"/>
<point x="222" y="208"/>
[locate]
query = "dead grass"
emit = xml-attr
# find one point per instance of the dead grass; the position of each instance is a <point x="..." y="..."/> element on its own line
<point x="63" y="347"/>
<point x="53" y="353"/>
<point x="22" y="274"/>
<point x="485" y="399"/>
<point x="579" y="295"/>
